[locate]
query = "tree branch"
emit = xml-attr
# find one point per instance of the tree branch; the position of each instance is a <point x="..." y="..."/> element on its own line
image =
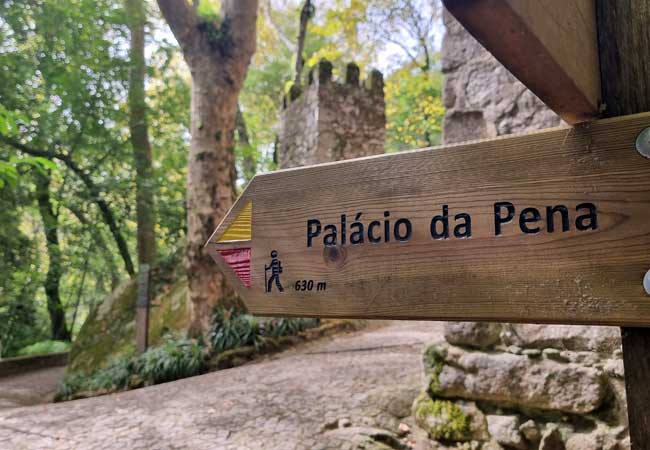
<point x="242" y="18"/>
<point x="306" y="13"/>
<point x="93" y="189"/>
<point x="182" y="19"/>
<point x="266" y="9"/>
<point x="100" y="243"/>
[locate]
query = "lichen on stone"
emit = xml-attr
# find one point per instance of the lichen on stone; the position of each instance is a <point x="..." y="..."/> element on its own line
<point x="434" y="362"/>
<point x="442" y="419"/>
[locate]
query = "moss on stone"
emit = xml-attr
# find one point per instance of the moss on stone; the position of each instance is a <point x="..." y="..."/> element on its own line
<point x="433" y="362"/>
<point x="169" y="312"/>
<point x="109" y="330"/>
<point x="442" y="419"/>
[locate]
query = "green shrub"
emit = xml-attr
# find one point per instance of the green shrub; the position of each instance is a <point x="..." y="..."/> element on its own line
<point x="442" y="419"/>
<point x="288" y="327"/>
<point x="178" y="357"/>
<point x="231" y="329"/>
<point x="44" y="347"/>
<point x="71" y="384"/>
<point x="116" y="375"/>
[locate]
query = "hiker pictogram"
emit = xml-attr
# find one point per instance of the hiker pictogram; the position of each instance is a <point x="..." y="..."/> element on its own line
<point x="276" y="269"/>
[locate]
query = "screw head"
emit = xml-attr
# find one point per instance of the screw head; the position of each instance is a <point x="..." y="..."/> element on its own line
<point x="646" y="282"/>
<point x="643" y="143"/>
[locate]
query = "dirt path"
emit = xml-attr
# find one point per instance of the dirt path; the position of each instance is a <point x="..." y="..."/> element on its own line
<point x="33" y="388"/>
<point x="331" y="393"/>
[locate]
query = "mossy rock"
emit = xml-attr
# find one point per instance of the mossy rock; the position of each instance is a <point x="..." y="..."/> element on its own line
<point x="169" y="311"/>
<point x="109" y="330"/>
<point x="442" y="419"/>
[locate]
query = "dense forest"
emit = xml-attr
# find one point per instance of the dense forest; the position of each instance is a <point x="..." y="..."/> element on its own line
<point x="108" y="106"/>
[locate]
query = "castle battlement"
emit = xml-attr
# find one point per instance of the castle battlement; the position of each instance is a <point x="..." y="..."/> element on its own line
<point x="327" y="120"/>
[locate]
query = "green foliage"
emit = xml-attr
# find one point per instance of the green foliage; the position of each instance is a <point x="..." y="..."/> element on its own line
<point x="72" y="383"/>
<point x="44" y="347"/>
<point x="20" y="323"/>
<point x="414" y="110"/>
<point x="442" y="419"/>
<point x="177" y="357"/>
<point x="208" y="10"/>
<point x="233" y="329"/>
<point x="116" y="375"/>
<point x="434" y="363"/>
<point x="64" y="89"/>
<point x="65" y="73"/>
<point x="288" y="327"/>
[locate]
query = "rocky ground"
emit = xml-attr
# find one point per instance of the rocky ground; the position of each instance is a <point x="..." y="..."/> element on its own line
<point x="33" y="388"/>
<point x="349" y="391"/>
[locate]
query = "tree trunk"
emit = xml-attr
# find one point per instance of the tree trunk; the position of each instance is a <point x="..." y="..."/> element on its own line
<point x="218" y="55"/>
<point x="139" y="135"/>
<point x="144" y="196"/>
<point x="306" y="13"/>
<point x="210" y="189"/>
<point x="59" y="329"/>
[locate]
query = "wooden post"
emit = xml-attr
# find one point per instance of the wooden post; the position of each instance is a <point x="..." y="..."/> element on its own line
<point x="624" y="46"/>
<point x="142" y="310"/>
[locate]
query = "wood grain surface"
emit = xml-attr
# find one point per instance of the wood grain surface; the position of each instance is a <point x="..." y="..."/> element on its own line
<point x="550" y="45"/>
<point x="625" y="69"/>
<point x="591" y="276"/>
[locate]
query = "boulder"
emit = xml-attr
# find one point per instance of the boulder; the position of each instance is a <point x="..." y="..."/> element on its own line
<point x="564" y="337"/>
<point x="530" y="431"/>
<point x="515" y="380"/>
<point x="362" y="437"/>
<point x="109" y="330"/>
<point x="492" y="445"/>
<point x="601" y="438"/>
<point x="552" y="439"/>
<point x="442" y="419"/>
<point x="459" y="421"/>
<point x="480" y="335"/>
<point x="505" y="430"/>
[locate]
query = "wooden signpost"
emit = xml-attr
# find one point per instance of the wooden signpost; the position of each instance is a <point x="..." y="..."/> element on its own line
<point x="549" y="227"/>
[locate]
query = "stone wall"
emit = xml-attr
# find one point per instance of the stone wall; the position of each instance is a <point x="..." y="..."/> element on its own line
<point x="528" y="387"/>
<point x="328" y="120"/>
<point x="481" y="97"/>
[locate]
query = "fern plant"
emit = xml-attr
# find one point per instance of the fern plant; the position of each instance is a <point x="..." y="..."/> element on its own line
<point x="178" y="357"/>
<point x="230" y="329"/>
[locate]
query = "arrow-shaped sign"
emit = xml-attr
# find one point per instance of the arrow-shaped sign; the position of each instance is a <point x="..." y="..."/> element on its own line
<point x="546" y="227"/>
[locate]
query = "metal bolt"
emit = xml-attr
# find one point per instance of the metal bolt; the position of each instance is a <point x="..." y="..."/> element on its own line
<point x="646" y="282"/>
<point x="643" y="143"/>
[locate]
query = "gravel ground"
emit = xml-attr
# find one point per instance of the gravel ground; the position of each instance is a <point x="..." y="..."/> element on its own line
<point x="335" y="392"/>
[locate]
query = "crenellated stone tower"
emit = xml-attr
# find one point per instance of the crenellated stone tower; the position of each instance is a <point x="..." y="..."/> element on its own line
<point x="327" y="120"/>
